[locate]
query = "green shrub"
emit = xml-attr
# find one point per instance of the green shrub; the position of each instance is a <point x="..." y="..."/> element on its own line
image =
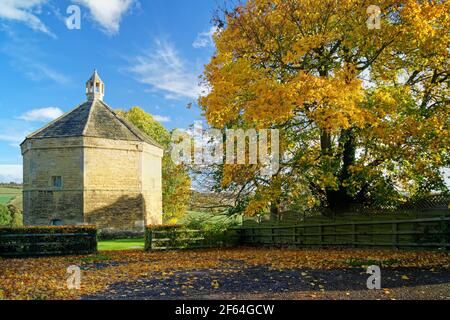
<point x="47" y="240"/>
<point x="5" y="216"/>
<point x="218" y="232"/>
<point x="53" y="230"/>
<point x="10" y="216"/>
<point x="187" y="237"/>
<point x="221" y="235"/>
<point x="16" y="215"/>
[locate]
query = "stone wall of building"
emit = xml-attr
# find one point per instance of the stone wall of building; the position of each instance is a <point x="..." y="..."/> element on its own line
<point x="152" y="184"/>
<point x="113" y="184"/>
<point x="44" y="159"/>
<point x="113" y="196"/>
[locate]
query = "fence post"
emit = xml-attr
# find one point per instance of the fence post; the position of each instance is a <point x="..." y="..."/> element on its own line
<point x="303" y="237"/>
<point x="321" y="236"/>
<point x="335" y="234"/>
<point x="442" y="234"/>
<point x="150" y="235"/>
<point x="272" y="231"/>
<point x="243" y="236"/>
<point x="354" y="236"/>
<point x="295" y="237"/>
<point x="240" y="236"/>
<point x="395" y="235"/>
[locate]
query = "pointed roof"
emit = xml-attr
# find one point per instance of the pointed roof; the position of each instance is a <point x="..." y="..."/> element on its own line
<point x="92" y="119"/>
<point x="95" y="77"/>
<point x="95" y="87"/>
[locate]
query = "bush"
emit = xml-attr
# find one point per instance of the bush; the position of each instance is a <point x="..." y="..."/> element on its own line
<point x="16" y="216"/>
<point x="217" y="232"/>
<point x="37" y="241"/>
<point x="10" y="216"/>
<point x="186" y="237"/>
<point x="221" y="235"/>
<point x="5" y="216"/>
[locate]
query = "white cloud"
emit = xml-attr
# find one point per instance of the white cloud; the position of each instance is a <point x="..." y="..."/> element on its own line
<point x="205" y="39"/>
<point x="44" y="114"/>
<point x="161" y="118"/>
<point x="24" y="11"/>
<point x="107" y="13"/>
<point x="163" y="70"/>
<point x="10" y="173"/>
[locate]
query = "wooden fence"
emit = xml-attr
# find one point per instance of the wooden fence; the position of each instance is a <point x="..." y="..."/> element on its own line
<point x="43" y="241"/>
<point x="178" y="238"/>
<point x="429" y="207"/>
<point x="175" y="239"/>
<point x="418" y="233"/>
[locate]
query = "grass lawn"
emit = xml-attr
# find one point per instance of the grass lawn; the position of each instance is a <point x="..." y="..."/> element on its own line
<point x="138" y="244"/>
<point x="121" y="244"/>
<point x="4" y="199"/>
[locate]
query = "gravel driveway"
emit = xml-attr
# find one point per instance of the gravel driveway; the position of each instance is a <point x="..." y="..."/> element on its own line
<point x="263" y="283"/>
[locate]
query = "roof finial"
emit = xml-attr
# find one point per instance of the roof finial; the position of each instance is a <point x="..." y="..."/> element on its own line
<point x="95" y="87"/>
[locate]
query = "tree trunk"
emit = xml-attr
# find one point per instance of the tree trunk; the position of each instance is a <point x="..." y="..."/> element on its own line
<point x="275" y="211"/>
<point x="339" y="200"/>
<point x="325" y="143"/>
<point x="349" y="153"/>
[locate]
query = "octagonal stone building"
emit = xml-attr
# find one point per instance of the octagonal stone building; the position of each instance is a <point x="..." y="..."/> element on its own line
<point x="90" y="166"/>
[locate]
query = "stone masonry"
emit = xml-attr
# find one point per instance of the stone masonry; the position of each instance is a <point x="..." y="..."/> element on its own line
<point x="90" y="166"/>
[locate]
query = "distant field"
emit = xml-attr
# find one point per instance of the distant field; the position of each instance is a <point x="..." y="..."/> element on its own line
<point x="4" y="199"/>
<point x="11" y="195"/>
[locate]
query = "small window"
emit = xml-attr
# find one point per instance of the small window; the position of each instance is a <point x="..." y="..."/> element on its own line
<point x="57" y="182"/>
<point x="57" y="222"/>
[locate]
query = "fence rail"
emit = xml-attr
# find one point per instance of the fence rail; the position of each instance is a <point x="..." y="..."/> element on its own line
<point x="176" y="239"/>
<point x="179" y="238"/>
<point x="417" y="233"/>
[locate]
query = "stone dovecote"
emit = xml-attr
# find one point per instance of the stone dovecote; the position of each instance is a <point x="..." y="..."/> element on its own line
<point x="90" y="166"/>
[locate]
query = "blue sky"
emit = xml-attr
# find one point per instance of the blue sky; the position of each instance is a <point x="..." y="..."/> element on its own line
<point x="149" y="53"/>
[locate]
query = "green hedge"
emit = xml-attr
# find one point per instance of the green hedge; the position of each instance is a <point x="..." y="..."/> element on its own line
<point x="42" y="241"/>
<point x="176" y="237"/>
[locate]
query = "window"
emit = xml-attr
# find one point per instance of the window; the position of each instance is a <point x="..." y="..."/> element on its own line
<point x="57" y="182"/>
<point x="56" y="222"/>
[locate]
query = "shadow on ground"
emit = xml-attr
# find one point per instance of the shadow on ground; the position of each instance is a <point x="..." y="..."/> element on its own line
<point x="254" y="280"/>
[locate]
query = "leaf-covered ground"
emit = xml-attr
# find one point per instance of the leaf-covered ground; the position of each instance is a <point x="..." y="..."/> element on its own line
<point x="243" y="273"/>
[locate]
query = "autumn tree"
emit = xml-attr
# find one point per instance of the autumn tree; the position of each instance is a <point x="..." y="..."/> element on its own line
<point x="176" y="183"/>
<point x="362" y="112"/>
